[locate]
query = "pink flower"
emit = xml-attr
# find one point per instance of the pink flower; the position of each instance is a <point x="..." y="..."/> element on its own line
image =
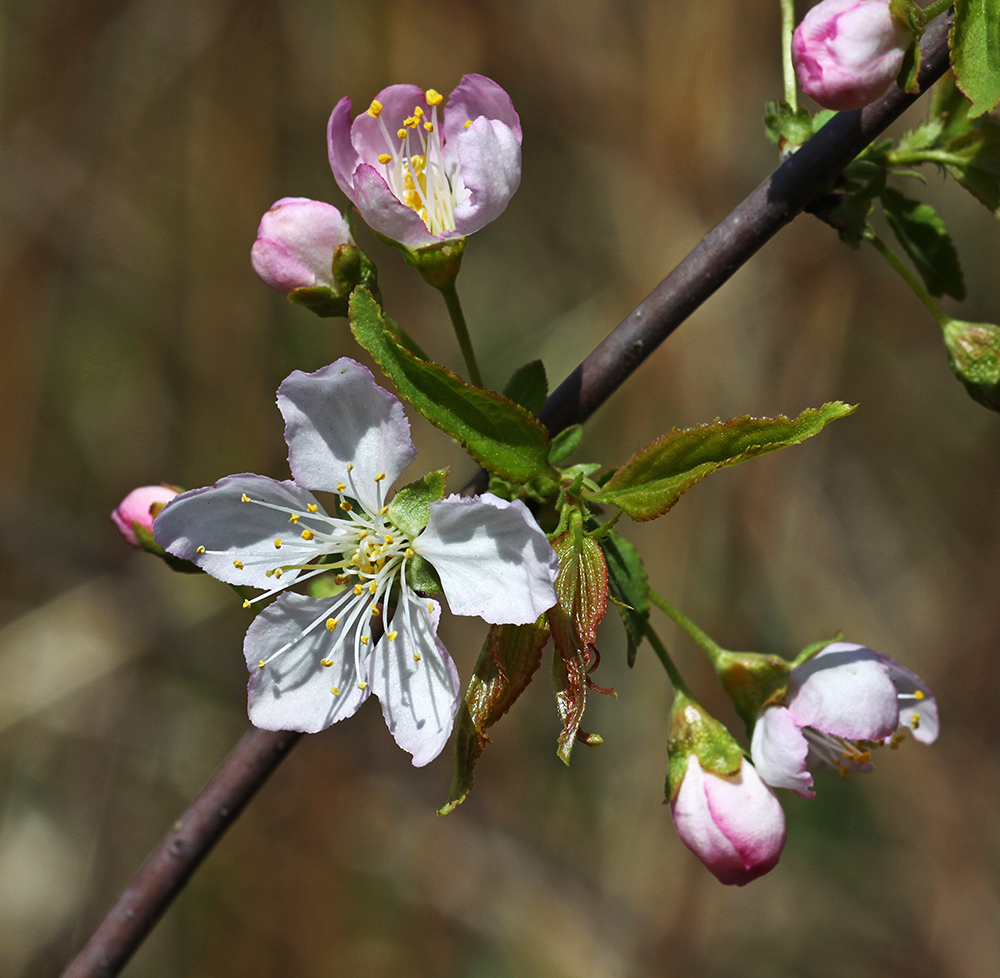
<point x="141" y="506"/>
<point x="422" y="173"/>
<point x="848" y="52"/>
<point x="840" y="706"/>
<point x="733" y="824"/>
<point x="296" y="242"/>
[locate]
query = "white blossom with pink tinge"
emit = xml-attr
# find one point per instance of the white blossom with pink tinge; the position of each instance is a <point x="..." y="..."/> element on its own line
<point x="314" y="661"/>
<point x="840" y="705"/>
<point x="140" y="506"/>
<point x="423" y="171"/>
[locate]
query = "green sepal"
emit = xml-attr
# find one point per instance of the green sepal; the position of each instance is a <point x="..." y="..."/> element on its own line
<point x="650" y="482"/>
<point x="324" y="586"/>
<point x="974" y="358"/>
<point x="565" y="443"/>
<point x="693" y="730"/>
<point x="351" y="267"/>
<point x="421" y="576"/>
<point x="786" y="126"/>
<point x="975" y="52"/>
<point x="509" y="659"/>
<point x="909" y="70"/>
<point x="753" y="681"/>
<point x="814" y="648"/>
<point x="439" y="264"/>
<point x="629" y="586"/>
<point x="410" y="508"/>
<point x="500" y="435"/>
<point x="149" y="544"/>
<point x="922" y="233"/>
<point x="528" y="386"/>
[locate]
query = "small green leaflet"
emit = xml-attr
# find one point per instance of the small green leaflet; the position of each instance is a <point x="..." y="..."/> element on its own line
<point x="975" y="52"/>
<point x="499" y="434"/>
<point x="410" y="508"/>
<point x="922" y="233"/>
<point x="629" y="586"/>
<point x="528" y="386"/>
<point x="650" y="482"/>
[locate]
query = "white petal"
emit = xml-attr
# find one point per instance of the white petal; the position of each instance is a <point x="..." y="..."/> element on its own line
<point x="231" y="530"/>
<point x="492" y="557"/>
<point x="294" y="690"/>
<point x="779" y="751"/>
<point x="919" y="716"/>
<point x="419" y="697"/>
<point x="339" y="416"/>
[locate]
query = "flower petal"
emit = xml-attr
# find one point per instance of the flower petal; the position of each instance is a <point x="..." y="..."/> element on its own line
<point x="294" y="690"/>
<point x="415" y="679"/>
<point x="493" y="559"/>
<point x="489" y="155"/>
<point x="735" y="825"/>
<point x="337" y="417"/>
<point x="368" y="133"/>
<point x="385" y="213"/>
<point x="918" y="715"/>
<point x="779" y="752"/>
<point x="231" y="530"/>
<point x="478" y="95"/>
<point x="846" y="691"/>
<point x="344" y="157"/>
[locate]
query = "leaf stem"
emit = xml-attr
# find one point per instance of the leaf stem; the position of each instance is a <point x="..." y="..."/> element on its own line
<point x="941" y="317"/>
<point x="450" y="294"/>
<point x="664" y="656"/>
<point x="787" y="68"/>
<point x="713" y="650"/>
<point x="937" y="8"/>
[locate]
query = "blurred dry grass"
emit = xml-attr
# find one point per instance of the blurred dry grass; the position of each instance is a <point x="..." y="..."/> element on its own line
<point x="141" y="140"/>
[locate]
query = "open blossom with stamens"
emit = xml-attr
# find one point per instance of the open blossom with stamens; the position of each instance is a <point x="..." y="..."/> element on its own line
<point x="840" y="706"/>
<point x="421" y="171"/>
<point x="314" y="661"/>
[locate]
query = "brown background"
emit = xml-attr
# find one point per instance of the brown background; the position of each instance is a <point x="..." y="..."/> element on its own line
<point x="141" y="141"/>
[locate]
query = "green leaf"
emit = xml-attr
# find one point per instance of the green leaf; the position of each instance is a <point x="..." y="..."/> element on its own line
<point x="565" y="443"/>
<point x="787" y="127"/>
<point x="507" y="662"/>
<point x="499" y="434"/>
<point x="922" y="233"/>
<point x="410" y="508"/>
<point x="650" y="482"/>
<point x="976" y="162"/>
<point x="629" y="586"/>
<point x="975" y="52"/>
<point x="528" y="386"/>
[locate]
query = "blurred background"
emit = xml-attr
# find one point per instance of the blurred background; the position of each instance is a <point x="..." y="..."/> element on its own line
<point x="141" y="142"/>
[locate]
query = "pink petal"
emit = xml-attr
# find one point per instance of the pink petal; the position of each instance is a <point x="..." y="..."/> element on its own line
<point x="490" y="159"/>
<point x="344" y="157"/>
<point x="398" y="102"/>
<point x="478" y="95"/>
<point x="779" y="752"/>
<point x="386" y="214"/>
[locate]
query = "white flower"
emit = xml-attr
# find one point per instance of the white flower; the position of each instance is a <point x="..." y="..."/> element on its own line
<point x="315" y="661"/>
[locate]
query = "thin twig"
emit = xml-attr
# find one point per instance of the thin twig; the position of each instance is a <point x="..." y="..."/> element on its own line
<point x="727" y="247"/>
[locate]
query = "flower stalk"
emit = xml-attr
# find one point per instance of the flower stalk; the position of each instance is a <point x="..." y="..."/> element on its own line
<point x="787" y="67"/>
<point x="451" y="300"/>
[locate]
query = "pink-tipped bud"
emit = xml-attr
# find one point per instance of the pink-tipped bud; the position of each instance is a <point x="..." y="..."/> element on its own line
<point x="140" y="507"/>
<point x="296" y="243"/>
<point x="848" y="52"/>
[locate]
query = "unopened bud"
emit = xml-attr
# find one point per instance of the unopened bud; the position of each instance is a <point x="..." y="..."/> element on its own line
<point x="136" y="512"/>
<point x="974" y="358"/>
<point x="848" y="52"/>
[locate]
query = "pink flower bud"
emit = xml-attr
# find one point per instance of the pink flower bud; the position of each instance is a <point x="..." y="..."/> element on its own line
<point x="848" y="52"/>
<point x="296" y="242"/>
<point x="734" y="824"/>
<point x="141" y="506"/>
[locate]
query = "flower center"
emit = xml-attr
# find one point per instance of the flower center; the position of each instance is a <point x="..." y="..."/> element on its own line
<point x="839" y="752"/>
<point x="414" y="165"/>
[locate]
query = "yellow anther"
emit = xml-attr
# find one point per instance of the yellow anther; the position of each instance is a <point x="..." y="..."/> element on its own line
<point x="358" y="589"/>
<point x="341" y="487"/>
<point x="866" y="756"/>
<point x="384" y="158"/>
<point x="362" y="685"/>
<point x="331" y="624"/>
<point x="260" y="664"/>
<point x="373" y="587"/>
<point x="269" y="573"/>
<point x="346" y="506"/>
<point x="308" y="534"/>
<point x="374" y="610"/>
<point x="469" y="123"/>
<point x="411" y="122"/>
<point x="392" y="636"/>
<point x="418" y="112"/>
<point x="416" y="656"/>
<point x="339" y="579"/>
<point x="433" y="97"/>
<point x="388" y="539"/>
<point x="277" y="572"/>
<point x="350" y="466"/>
<point x="244" y="498"/>
<point x="380" y="477"/>
<point x="246" y="603"/>
<point x="312" y="507"/>
<point x="401" y="133"/>
<point x="364" y="639"/>
<point x="408" y="552"/>
<point x="356" y="559"/>
<point x="918" y="695"/>
<point x="238" y="564"/>
<point x="383" y="511"/>
<point x="294" y="518"/>
<point x="335" y="690"/>
<point x="200" y="550"/>
<point x="429" y="126"/>
<point x="843" y="772"/>
<point x="375" y="109"/>
<point x="430" y="607"/>
<point x="326" y="662"/>
<point x="277" y="543"/>
<point x="915" y="722"/>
